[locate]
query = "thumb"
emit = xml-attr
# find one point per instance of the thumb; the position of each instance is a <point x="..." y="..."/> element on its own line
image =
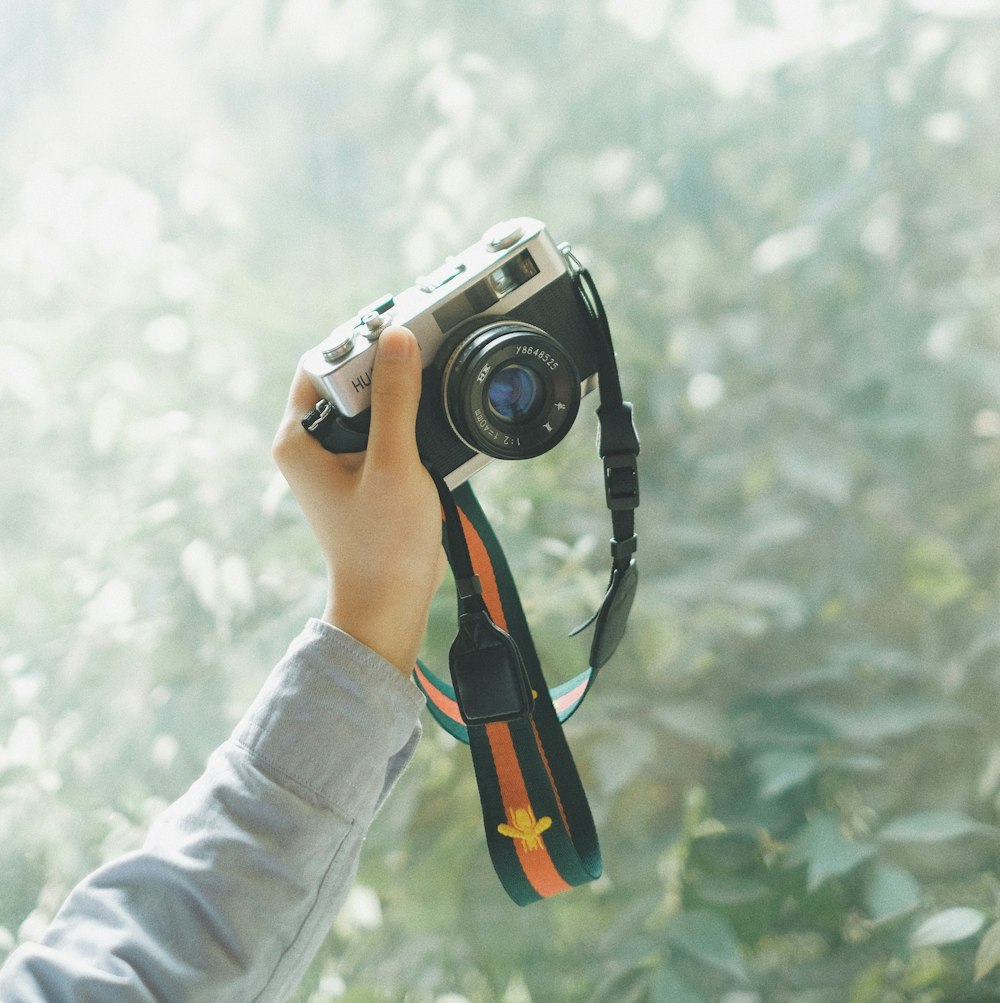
<point x="396" y="386"/>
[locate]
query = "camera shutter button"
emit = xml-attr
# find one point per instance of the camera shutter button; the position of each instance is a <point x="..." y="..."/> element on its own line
<point x="503" y="235"/>
<point x="374" y="323"/>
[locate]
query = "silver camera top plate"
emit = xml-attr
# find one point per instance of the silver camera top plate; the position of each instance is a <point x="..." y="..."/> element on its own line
<point x="510" y="263"/>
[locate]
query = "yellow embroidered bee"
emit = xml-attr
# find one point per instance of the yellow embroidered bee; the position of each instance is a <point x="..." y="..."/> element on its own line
<point x="525" y="827"/>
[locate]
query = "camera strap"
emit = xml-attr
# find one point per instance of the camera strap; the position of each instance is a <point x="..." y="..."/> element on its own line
<point x="539" y="828"/>
<point x="538" y="825"/>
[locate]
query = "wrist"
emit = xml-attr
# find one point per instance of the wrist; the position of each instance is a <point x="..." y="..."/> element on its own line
<point x="394" y="634"/>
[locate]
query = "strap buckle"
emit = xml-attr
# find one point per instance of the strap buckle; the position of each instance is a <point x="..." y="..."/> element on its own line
<point x="334" y="432"/>
<point x="618" y="447"/>
<point x="621" y="481"/>
<point x="317" y="416"/>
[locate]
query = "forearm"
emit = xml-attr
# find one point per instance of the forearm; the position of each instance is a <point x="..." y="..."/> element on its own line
<point x="239" y="880"/>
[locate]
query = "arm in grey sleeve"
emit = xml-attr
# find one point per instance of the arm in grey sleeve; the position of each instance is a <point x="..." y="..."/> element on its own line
<point x="239" y="880"/>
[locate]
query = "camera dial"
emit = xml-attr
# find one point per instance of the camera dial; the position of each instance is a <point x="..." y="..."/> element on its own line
<point x="510" y="390"/>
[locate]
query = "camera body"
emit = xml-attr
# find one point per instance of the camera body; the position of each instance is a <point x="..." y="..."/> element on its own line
<point x="507" y="345"/>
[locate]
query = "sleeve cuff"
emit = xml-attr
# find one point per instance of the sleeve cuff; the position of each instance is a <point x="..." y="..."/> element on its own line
<point x="329" y="718"/>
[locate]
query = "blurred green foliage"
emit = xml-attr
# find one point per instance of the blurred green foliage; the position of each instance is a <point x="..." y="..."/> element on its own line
<point x="792" y="211"/>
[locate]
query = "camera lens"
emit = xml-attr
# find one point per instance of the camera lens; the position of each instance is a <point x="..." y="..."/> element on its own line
<point x="515" y="393"/>
<point x="511" y="390"/>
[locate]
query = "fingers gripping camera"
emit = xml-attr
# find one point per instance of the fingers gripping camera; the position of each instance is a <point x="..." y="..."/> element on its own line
<point x="507" y="347"/>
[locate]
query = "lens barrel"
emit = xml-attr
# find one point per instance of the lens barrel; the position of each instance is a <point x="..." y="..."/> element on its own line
<point x="510" y="390"/>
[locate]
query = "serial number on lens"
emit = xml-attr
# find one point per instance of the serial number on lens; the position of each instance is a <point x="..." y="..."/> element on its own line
<point x="542" y="356"/>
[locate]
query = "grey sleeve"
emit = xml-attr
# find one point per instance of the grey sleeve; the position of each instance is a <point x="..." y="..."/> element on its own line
<point x="239" y="880"/>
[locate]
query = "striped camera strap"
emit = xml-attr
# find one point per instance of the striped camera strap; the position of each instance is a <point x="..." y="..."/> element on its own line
<point x="538" y="823"/>
<point x="539" y="829"/>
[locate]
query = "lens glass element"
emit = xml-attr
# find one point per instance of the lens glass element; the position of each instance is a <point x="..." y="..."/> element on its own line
<point x="515" y="393"/>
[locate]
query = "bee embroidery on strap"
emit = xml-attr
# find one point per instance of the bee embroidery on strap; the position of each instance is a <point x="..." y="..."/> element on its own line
<point x="525" y="827"/>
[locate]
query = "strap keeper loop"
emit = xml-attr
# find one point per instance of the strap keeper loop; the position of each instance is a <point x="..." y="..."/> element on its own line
<point x="469" y="588"/>
<point x="622" y="550"/>
<point x="617" y="430"/>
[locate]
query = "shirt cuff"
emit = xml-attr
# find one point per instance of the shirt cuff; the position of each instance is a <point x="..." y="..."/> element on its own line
<point x="330" y="717"/>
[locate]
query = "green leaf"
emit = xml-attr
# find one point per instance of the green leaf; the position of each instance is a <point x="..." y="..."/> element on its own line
<point x="892" y="893"/>
<point x="730" y="890"/>
<point x="667" y="987"/>
<point x="859" y="763"/>
<point x="876" y="721"/>
<point x="825" y="851"/>
<point x="622" y="756"/>
<point x="988" y="952"/>
<point x="926" y="968"/>
<point x="883" y="659"/>
<point x="936" y="572"/>
<point x="773" y="531"/>
<point x="781" y="770"/>
<point x="785" y="605"/>
<point x="709" y="939"/>
<point x="947" y="927"/>
<point x="869" y="986"/>
<point x="823" y="475"/>
<point x="934" y="827"/>
<point x="697" y="722"/>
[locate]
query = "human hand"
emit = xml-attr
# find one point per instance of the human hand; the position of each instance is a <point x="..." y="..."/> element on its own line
<point x="376" y="515"/>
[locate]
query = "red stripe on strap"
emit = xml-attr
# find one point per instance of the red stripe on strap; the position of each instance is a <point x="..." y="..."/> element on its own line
<point x="484" y="568"/>
<point x="533" y="855"/>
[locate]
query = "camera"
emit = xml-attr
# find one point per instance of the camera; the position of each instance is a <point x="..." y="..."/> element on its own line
<point x="507" y="345"/>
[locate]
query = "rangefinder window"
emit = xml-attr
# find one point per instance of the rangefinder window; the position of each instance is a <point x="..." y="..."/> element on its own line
<point x="511" y="274"/>
<point x="502" y="281"/>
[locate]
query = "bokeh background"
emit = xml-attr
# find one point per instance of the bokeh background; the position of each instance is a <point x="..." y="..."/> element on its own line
<point x="792" y="208"/>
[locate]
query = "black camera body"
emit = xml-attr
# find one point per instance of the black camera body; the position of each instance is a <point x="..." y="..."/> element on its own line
<point x="508" y="349"/>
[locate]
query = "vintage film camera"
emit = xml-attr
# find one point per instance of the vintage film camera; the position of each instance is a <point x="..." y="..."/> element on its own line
<point x="508" y="350"/>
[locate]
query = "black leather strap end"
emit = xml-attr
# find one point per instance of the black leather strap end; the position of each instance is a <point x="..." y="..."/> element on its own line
<point x="331" y="429"/>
